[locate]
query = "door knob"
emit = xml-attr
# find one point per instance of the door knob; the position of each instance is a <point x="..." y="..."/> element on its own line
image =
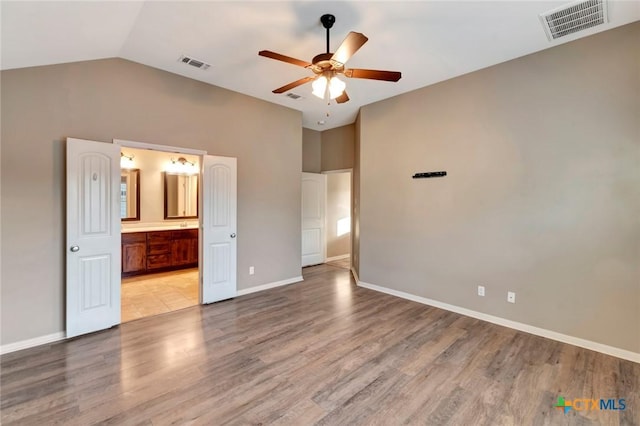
<point x="74" y="249"/>
<point x="233" y="235"/>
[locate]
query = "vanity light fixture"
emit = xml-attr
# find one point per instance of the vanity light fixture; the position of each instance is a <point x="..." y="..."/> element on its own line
<point x="183" y="166"/>
<point x="126" y="161"/>
<point x="183" y="161"/>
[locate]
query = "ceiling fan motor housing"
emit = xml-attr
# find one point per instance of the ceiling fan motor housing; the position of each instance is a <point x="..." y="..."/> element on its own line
<point x="322" y="63"/>
<point x="327" y="20"/>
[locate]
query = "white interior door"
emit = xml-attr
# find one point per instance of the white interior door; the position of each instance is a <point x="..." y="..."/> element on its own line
<point x="219" y="244"/>
<point x="314" y="198"/>
<point x="93" y="236"/>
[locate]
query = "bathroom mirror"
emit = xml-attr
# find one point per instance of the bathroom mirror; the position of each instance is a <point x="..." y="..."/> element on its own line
<point x="129" y="194"/>
<point x="180" y="196"/>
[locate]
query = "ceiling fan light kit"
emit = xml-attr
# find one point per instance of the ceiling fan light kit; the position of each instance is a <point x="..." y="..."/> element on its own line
<point x="327" y="66"/>
<point x="332" y="84"/>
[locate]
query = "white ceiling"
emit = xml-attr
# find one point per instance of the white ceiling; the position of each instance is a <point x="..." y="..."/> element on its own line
<point x="428" y="41"/>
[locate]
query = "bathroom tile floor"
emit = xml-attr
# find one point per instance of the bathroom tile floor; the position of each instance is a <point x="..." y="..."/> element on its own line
<point x="155" y="294"/>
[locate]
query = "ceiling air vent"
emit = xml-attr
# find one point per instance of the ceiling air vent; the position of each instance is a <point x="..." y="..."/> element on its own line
<point x="293" y="96"/>
<point x="194" y="62"/>
<point x="574" y="17"/>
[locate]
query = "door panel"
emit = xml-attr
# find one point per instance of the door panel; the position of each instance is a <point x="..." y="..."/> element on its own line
<point x="314" y="189"/>
<point x="93" y="236"/>
<point x="218" y="238"/>
<point x="311" y="242"/>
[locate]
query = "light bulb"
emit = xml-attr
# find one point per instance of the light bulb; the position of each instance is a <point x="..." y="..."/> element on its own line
<point x="336" y="87"/>
<point x="319" y="86"/>
<point x="126" y="161"/>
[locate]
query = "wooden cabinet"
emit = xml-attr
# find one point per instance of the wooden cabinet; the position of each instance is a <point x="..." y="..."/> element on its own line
<point x="146" y="252"/>
<point x="184" y="247"/>
<point x="158" y="250"/>
<point x="134" y="252"/>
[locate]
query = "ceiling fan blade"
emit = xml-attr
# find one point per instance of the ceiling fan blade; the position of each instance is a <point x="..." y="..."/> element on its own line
<point x="342" y="98"/>
<point x="373" y="74"/>
<point x="349" y="46"/>
<point x="292" y="85"/>
<point x="283" y="58"/>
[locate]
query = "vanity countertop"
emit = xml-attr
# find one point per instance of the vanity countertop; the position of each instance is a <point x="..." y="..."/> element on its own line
<point x="157" y="228"/>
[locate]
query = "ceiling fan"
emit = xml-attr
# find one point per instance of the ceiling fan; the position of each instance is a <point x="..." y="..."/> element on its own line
<point x="326" y="66"/>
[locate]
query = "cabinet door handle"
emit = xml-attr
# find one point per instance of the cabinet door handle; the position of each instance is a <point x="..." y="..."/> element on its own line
<point x="233" y="235"/>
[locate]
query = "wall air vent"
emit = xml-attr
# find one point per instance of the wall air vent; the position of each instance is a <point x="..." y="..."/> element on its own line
<point x="194" y="62"/>
<point x="293" y="96"/>
<point x="574" y="17"/>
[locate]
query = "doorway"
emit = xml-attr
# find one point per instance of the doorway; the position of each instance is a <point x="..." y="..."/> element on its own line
<point x="160" y="223"/>
<point x="338" y="218"/>
<point x="159" y="235"/>
<point x="94" y="232"/>
<point x="212" y="244"/>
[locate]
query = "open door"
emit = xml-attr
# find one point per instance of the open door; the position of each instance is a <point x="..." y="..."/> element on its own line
<point x="314" y="199"/>
<point x="93" y="236"/>
<point x="218" y="237"/>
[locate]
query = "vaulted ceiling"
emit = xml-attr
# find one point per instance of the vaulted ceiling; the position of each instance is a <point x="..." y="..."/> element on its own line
<point x="428" y="41"/>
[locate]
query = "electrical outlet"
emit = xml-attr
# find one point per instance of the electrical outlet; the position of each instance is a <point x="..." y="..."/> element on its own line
<point x="480" y="290"/>
<point x="511" y="297"/>
<point x="251" y="270"/>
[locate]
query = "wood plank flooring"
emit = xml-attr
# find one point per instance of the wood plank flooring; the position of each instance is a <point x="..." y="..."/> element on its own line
<point x="323" y="352"/>
<point x="154" y="294"/>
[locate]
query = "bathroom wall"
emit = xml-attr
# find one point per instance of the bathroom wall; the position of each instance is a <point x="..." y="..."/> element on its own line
<point x="152" y="165"/>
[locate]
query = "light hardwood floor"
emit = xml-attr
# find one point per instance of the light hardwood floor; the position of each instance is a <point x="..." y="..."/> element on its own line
<point x="342" y="263"/>
<point x="148" y="295"/>
<point x="322" y="351"/>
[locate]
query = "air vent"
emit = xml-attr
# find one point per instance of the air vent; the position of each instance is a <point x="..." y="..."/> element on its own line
<point x="194" y="62"/>
<point x="293" y="96"/>
<point x="574" y="17"/>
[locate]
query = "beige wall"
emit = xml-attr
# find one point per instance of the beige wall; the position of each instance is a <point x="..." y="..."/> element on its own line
<point x="328" y="150"/>
<point x="542" y="195"/>
<point x="106" y="99"/>
<point x="338" y="209"/>
<point x="311" y="151"/>
<point x="337" y="148"/>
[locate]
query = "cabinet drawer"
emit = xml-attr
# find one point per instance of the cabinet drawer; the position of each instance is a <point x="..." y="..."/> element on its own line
<point x="184" y="234"/>
<point x="134" y="237"/>
<point x="159" y="237"/>
<point x="158" y="248"/>
<point x="158" y="261"/>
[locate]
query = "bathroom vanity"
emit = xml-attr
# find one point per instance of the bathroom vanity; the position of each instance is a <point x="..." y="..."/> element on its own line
<point x="159" y="251"/>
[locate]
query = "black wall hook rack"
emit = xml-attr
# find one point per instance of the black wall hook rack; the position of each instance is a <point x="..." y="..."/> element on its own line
<point x="429" y="175"/>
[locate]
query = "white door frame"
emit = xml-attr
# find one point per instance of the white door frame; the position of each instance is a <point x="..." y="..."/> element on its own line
<point x="350" y="171"/>
<point x="154" y="147"/>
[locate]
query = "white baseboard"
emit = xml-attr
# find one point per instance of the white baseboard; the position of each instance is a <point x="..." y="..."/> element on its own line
<point x="30" y="343"/>
<point x="553" y="335"/>
<point x="269" y="285"/>
<point x="50" y="338"/>
<point x="342" y="256"/>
